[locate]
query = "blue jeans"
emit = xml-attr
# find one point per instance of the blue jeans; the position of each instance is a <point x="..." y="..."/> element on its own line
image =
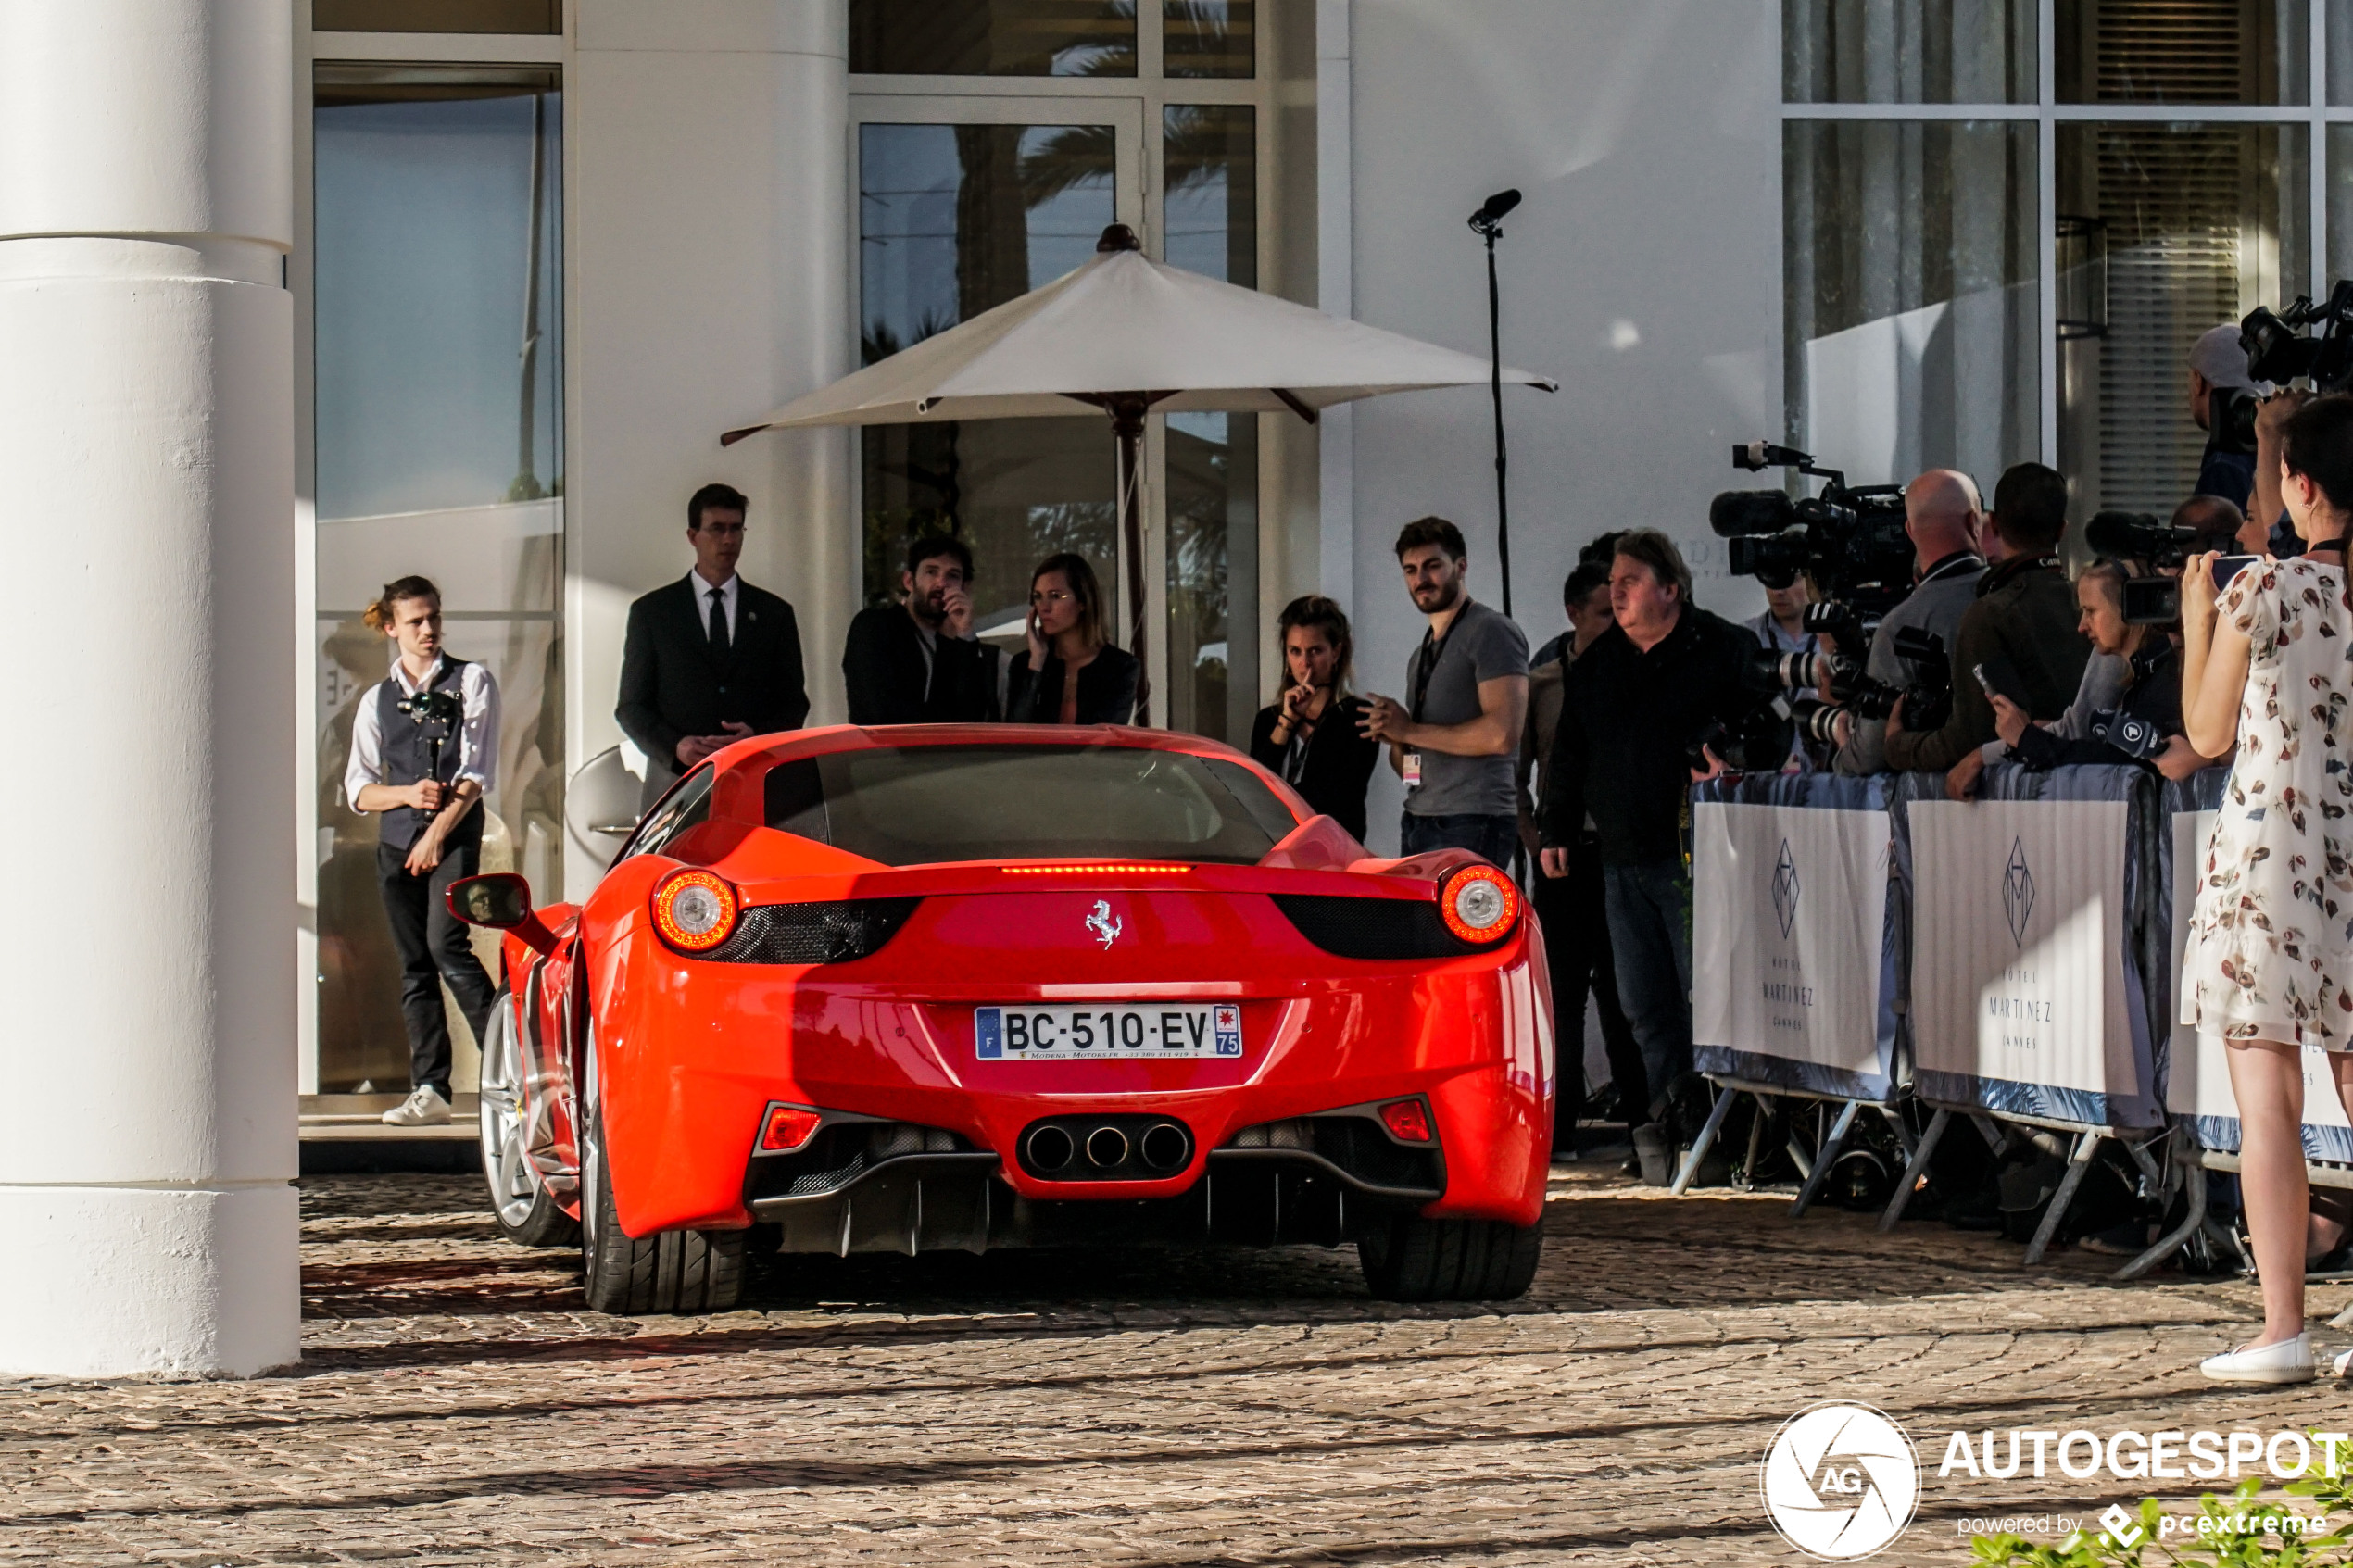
<point x="1650" y="942"/>
<point x="1494" y="837"/>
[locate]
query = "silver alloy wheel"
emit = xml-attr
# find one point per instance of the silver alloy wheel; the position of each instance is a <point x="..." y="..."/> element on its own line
<point x="505" y="1166"/>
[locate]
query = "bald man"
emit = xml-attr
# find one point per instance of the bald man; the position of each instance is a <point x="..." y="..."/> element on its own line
<point x="1942" y="514"/>
<point x="2022" y="630"/>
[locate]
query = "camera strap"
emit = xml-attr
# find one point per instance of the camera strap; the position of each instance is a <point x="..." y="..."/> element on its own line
<point x="1425" y="661"/>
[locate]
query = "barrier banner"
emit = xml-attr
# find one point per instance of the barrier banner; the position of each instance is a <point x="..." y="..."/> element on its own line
<point x="2197" y="1086"/>
<point x="1794" y="938"/>
<point x="2029" y="915"/>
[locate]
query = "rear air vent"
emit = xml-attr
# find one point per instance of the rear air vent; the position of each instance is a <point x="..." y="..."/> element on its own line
<point x="1372" y="928"/>
<point x="803" y="933"/>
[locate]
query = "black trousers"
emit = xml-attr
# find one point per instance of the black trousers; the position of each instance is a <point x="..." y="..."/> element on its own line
<point x="1576" y="952"/>
<point x="432" y="948"/>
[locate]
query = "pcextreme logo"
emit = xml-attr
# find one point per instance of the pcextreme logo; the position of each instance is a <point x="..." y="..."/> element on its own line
<point x="1841" y="1481"/>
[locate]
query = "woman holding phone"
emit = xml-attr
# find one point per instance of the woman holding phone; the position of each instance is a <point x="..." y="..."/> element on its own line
<point x="1070" y="673"/>
<point x="2269" y="966"/>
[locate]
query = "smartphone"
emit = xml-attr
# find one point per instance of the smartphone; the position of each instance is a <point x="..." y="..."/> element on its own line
<point x="2228" y="567"/>
<point x="1996" y="682"/>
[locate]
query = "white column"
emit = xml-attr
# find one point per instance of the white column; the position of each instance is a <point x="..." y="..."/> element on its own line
<point x="147" y="1129"/>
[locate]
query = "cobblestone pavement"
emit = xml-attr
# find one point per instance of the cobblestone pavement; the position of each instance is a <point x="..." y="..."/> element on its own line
<point x="458" y="1404"/>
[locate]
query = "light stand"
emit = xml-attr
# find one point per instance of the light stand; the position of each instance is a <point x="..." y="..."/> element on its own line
<point x="1488" y="223"/>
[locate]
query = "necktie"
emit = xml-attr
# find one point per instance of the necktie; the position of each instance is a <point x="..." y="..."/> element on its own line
<point x="718" y="624"/>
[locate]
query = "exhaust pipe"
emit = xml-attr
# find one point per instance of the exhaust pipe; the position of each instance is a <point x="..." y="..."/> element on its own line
<point x="1107" y="1146"/>
<point x="1165" y="1146"/>
<point x="1051" y="1148"/>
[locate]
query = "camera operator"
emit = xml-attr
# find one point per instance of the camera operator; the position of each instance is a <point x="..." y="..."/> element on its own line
<point x="1666" y="674"/>
<point x="2021" y="632"/>
<point x="2227" y="467"/>
<point x="2217" y="524"/>
<point x="2127" y="710"/>
<point x="1941" y="516"/>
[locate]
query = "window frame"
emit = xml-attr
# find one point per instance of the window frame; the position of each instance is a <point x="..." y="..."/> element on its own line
<point x="2315" y="114"/>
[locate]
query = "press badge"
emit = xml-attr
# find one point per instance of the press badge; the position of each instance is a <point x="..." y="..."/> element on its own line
<point x="1413" y="769"/>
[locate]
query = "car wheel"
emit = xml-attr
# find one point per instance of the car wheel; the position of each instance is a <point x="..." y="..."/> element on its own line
<point x="1407" y="1258"/>
<point x="519" y="1200"/>
<point x="668" y="1271"/>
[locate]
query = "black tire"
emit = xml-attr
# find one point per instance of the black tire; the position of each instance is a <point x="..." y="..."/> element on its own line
<point x="1407" y="1258"/>
<point x="520" y="1205"/>
<point x="668" y="1271"/>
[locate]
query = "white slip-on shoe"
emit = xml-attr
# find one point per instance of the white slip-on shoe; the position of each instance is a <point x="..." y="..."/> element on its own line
<point x="425" y="1108"/>
<point x="2290" y="1361"/>
<point x="2342" y="1363"/>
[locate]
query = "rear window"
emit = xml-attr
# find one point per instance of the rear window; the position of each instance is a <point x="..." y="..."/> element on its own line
<point x="909" y="805"/>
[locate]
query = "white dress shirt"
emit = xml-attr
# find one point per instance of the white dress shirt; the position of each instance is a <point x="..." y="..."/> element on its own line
<point x="477" y="734"/>
<point x="727" y="597"/>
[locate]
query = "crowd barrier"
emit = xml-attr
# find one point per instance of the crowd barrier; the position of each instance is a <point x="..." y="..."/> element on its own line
<point x="1798" y="937"/>
<point x="1988" y="957"/>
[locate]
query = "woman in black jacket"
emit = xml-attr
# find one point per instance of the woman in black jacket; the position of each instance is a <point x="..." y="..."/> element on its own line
<point x="1070" y="674"/>
<point x="1311" y="736"/>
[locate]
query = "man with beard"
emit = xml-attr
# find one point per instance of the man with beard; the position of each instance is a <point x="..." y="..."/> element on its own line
<point x="921" y="664"/>
<point x="1455" y="739"/>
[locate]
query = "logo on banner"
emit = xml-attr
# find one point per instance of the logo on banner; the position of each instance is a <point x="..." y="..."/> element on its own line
<point x="2018" y="891"/>
<point x="1841" y="1481"/>
<point x="1785" y="889"/>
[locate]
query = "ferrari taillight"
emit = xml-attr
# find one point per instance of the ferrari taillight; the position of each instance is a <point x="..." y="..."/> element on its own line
<point x="695" y="911"/>
<point x="1478" y="904"/>
<point x="787" y="1128"/>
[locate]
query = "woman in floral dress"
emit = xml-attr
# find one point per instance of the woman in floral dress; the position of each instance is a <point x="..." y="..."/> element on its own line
<point x="2270" y="965"/>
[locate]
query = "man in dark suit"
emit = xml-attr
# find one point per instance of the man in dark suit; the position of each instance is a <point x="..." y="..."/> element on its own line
<point x="709" y="659"/>
<point x="919" y="663"/>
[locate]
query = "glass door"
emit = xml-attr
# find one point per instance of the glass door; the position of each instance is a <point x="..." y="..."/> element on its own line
<point x="964" y="204"/>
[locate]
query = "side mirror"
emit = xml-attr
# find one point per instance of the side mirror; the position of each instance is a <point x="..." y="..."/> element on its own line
<point x="500" y="900"/>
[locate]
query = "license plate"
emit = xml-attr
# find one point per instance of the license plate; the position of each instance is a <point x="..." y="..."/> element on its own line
<point x="1076" y="1033"/>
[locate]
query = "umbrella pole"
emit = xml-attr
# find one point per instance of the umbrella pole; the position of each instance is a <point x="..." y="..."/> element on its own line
<point x="1127" y="432"/>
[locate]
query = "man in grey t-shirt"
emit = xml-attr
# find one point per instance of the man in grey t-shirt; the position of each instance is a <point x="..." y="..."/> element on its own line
<point x="1455" y="736"/>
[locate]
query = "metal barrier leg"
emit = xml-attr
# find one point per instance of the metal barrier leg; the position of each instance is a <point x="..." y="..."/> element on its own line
<point x="1996" y="1138"/>
<point x="2174" y="1240"/>
<point x="1919" y="1162"/>
<point x="1825" y="1159"/>
<point x="2076" y="1163"/>
<point x="1701" y="1144"/>
<point x="1756" y="1141"/>
<point x="1895" y="1119"/>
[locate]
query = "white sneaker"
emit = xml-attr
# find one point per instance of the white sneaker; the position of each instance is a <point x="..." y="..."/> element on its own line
<point x="2342" y="1363"/>
<point x="425" y="1108"/>
<point x="2290" y="1361"/>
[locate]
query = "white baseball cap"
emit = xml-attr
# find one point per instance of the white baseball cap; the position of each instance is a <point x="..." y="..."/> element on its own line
<point x="2218" y="356"/>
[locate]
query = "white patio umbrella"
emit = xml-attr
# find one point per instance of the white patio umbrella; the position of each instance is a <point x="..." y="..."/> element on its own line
<point x="1129" y="335"/>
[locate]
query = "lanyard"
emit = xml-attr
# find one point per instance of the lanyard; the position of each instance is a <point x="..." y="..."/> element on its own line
<point x="1428" y="666"/>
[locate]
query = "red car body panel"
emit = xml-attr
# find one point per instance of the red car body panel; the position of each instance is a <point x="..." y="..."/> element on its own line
<point x="690" y="1051"/>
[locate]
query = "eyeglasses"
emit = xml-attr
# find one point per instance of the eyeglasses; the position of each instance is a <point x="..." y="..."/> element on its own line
<point x="724" y="530"/>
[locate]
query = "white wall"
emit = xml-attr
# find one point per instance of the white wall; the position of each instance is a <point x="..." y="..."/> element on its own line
<point x="1643" y="271"/>
<point x="707" y="188"/>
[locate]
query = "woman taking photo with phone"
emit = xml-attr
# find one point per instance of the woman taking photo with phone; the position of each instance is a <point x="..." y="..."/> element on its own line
<point x="2269" y="966"/>
<point x="1310" y="734"/>
<point x="1070" y="673"/>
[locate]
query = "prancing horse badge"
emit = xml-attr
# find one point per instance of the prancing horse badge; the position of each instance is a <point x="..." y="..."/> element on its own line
<point x="1102" y="923"/>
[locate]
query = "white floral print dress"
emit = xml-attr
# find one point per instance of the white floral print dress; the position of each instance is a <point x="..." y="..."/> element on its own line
<point x="2271" y="954"/>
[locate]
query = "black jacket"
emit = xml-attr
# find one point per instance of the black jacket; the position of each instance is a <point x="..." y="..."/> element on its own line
<point x="1106" y="689"/>
<point x="1339" y="760"/>
<point x="883" y="666"/>
<point x="671" y="685"/>
<point x="1626" y="719"/>
<point x="2023" y="631"/>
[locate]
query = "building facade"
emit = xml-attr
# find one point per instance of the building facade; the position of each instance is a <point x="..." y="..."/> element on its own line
<point x="546" y="251"/>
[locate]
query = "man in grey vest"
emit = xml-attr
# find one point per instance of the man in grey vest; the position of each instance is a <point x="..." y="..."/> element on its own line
<point x="424" y="750"/>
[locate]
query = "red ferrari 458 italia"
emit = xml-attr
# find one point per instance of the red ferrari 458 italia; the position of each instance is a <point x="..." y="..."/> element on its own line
<point x="863" y="990"/>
